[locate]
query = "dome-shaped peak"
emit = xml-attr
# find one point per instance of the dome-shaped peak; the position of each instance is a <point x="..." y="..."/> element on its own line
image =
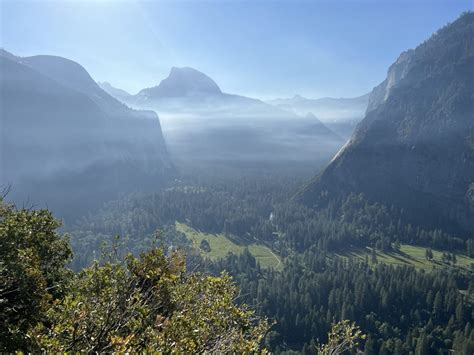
<point x="185" y="70"/>
<point x="62" y="70"/>
<point x="185" y="82"/>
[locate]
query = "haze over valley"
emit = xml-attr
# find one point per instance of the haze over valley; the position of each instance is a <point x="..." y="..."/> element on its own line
<point x="201" y="123"/>
<point x="237" y="177"/>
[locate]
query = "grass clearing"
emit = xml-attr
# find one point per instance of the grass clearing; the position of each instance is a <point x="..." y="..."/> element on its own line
<point x="412" y="255"/>
<point x="221" y="246"/>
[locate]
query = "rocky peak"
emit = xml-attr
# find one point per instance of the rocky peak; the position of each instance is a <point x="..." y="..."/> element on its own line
<point x="183" y="82"/>
<point x="413" y="149"/>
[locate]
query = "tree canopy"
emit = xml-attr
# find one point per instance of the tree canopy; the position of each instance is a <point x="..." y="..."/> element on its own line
<point x="145" y="303"/>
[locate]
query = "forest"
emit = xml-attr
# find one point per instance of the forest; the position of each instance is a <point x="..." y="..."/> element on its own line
<point x="121" y="302"/>
<point x="323" y="278"/>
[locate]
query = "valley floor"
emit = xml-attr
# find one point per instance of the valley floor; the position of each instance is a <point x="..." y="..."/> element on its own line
<point x="414" y="256"/>
<point x="221" y="245"/>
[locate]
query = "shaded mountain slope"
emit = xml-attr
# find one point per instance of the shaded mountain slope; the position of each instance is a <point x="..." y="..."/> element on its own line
<point x="119" y="94"/>
<point x="415" y="147"/>
<point x="319" y="128"/>
<point x="72" y="75"/>
<point x="339" y="114"/>
<point x="62" y="136"/>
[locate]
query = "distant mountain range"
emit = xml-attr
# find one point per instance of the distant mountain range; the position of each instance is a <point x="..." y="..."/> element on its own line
<point x="200" y="122"/>
<point x="339" y="114"/>
<point x="187" y="92"/>
<point x="327" y="108"/>
<point x="415" y="147"/>
<point x="61" y="130"/>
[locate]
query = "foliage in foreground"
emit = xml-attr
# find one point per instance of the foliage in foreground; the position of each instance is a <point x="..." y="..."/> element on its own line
<point x="123" y="304"/>
<point x="32" y="272"/>
<point x="343" y="337"/>
<point x="149" y="304"/>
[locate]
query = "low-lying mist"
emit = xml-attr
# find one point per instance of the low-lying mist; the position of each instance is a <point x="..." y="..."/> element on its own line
<point x="248" y="139"/>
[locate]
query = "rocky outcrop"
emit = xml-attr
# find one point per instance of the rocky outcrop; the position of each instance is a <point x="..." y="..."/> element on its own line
<point x="415" y="147"/>
<point x="181" y="82"/>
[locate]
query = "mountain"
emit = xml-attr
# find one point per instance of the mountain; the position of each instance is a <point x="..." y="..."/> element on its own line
<point x="317" y="127"/>
<point x="415" y="147"/>
<point x="203" y="124"/>
<point x="188" y="92"/>
<point x="327" y="108"/>
<point x="181" y="82"/>
<point x="339" y="114"/>
<point x="8" y="55"/>
<point x="63" y="137"/>
<point x="119" y="94"/>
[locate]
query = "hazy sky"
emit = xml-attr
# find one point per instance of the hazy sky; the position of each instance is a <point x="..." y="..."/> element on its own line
<point x="257" y="48"/>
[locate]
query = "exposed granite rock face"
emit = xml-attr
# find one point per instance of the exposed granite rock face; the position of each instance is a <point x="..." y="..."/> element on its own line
<point x="396" y="73"/>
<point x="181" y="82"/>
<point x="415" y="147"/>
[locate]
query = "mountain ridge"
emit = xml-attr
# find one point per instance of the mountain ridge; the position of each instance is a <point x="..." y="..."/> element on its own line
<point x="66" y="133"/>
<point x="211" y="125"/>
<point x="119" y="94"/>
<point x="189" y="92"/>
<point x="341" y="115"/>
<point x="415" y="147"/>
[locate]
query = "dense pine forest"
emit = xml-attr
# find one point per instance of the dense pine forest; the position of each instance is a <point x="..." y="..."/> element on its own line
<point x="323" y="277"/>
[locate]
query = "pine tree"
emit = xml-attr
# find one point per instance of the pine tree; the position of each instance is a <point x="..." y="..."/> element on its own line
<point x="429" y="254"/>
<point x="397" y="245"/>
<point x="373" y="256"/>
<point x="422" y="345"/>
<point x="459" y="312"/>
<point x="438" y="303"/>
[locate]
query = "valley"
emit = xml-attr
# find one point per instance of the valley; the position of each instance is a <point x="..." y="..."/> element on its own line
<point x="411" y="255"/>
<point x="188" y="216"/>
<point x="221" y="245"/>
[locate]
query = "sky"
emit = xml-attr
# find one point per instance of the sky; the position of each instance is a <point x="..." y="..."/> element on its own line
<point x="264" y="49"/>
